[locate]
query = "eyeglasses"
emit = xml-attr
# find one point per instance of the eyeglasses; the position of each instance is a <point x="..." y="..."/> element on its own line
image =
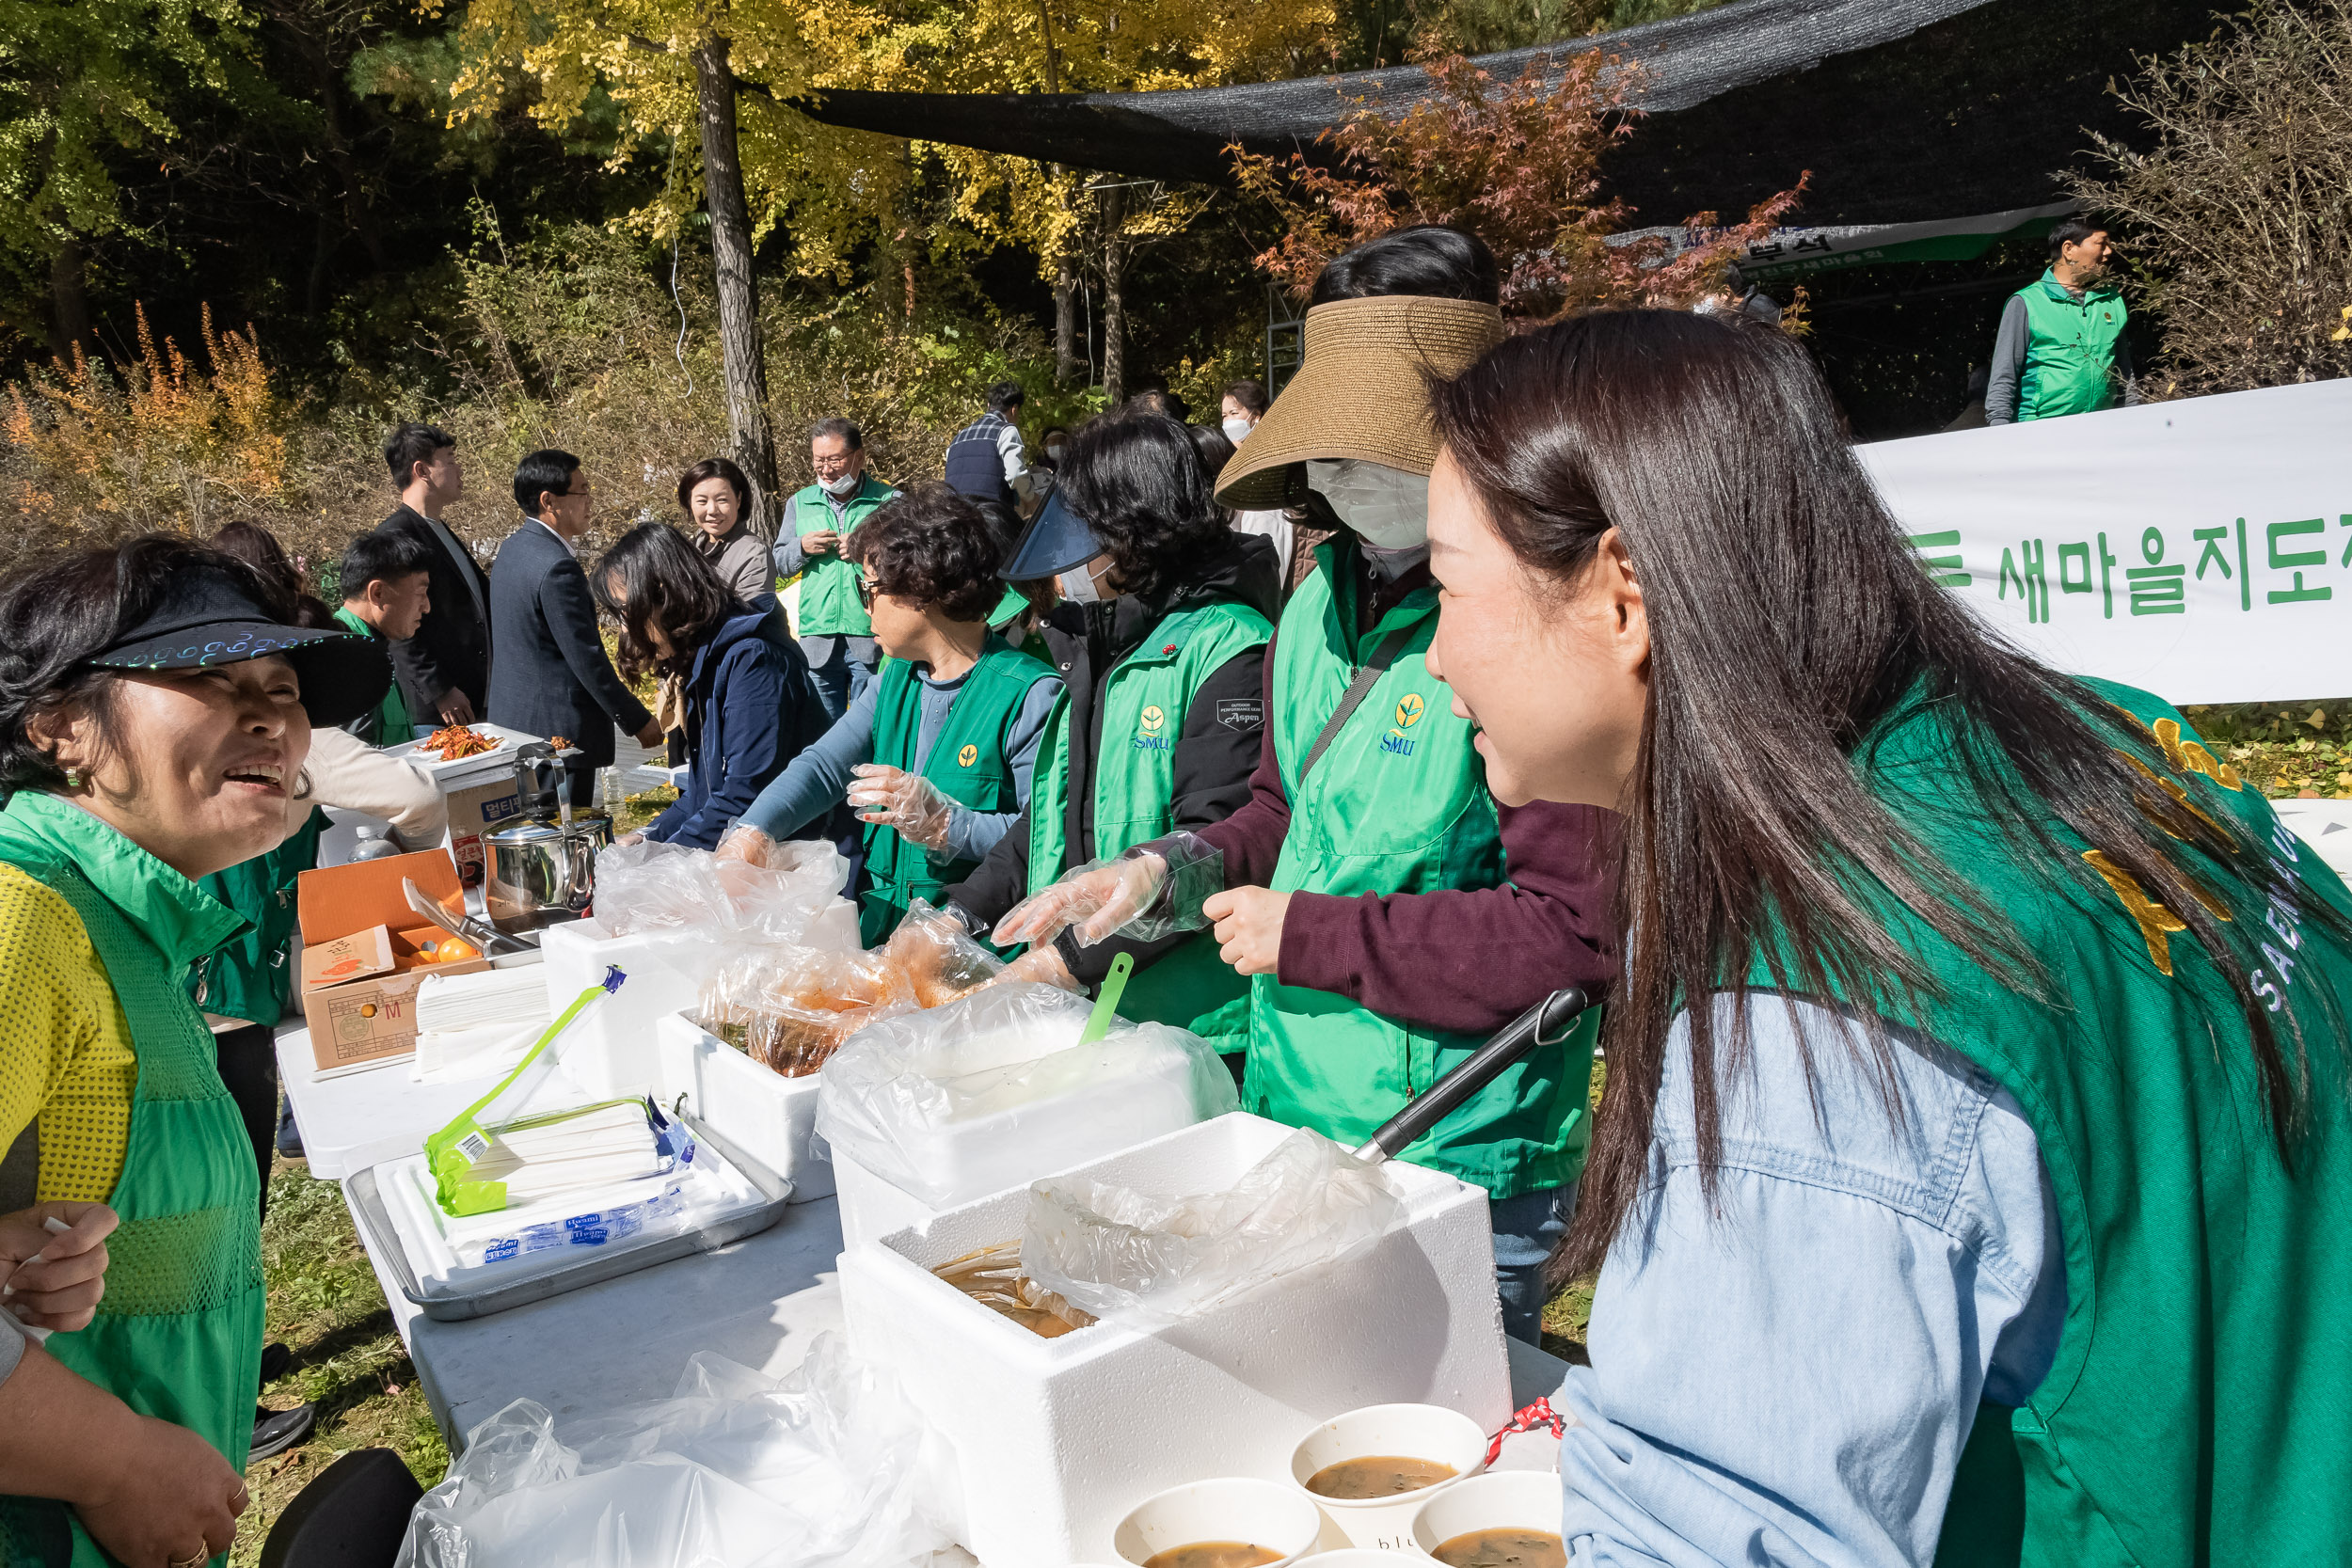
<point x="867" y="590"/>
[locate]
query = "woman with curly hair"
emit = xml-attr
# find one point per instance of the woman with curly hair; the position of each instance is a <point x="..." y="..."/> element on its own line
<point x="936" y="752"/>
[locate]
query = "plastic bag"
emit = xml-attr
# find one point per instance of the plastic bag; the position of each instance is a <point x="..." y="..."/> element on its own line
<point x="1145" y="1259"/>
<point x="991" y="1090"/>
<point x="937" y="958"/>
<point x="1145" y="894"/>
<point x="789" y="1007"/>
<point x="827" y="1467"/>
<point x="652" y="887"/>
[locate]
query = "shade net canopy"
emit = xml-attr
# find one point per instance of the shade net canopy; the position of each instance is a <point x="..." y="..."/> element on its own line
<point x="1904" y="110"/>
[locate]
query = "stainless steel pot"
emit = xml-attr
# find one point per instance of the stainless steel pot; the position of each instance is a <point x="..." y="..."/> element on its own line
<point x="544" y="872"/>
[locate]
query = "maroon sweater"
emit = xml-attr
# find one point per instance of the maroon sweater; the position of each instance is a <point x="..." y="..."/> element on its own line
<point x="1465" y="961"/>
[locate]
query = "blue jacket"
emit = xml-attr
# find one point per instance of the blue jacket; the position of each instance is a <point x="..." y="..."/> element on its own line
<point x="551" y="676"/>
<point x="751" y="706"/>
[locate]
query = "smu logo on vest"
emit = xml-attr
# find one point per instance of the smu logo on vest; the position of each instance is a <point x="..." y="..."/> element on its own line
<point x="1409" y="711"/>
<point x="1150" y="724"/>
<point x="969" y="755"/>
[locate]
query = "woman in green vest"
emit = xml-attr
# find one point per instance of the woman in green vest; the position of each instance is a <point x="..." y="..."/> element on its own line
<point x="937" y="753"/>
<point x="1161" y="644"/>
<point x="155" y="714"/>
<point x="1995" y="1206"/>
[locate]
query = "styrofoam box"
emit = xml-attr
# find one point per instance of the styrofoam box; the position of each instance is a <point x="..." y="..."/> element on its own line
<point x="771" y="1118"/>
<point x="1059" y="1439"/>
<point x="1013" y="1147"/>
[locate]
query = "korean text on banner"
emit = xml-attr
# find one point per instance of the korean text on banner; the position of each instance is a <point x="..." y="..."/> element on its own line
<point x="2199" y="550"/>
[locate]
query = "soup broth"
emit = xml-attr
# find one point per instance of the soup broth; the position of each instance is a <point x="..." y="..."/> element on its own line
<point x="1509" y="1547"/>
<point x="1213" y="1554"/>
<point x="1376" y="1476"/>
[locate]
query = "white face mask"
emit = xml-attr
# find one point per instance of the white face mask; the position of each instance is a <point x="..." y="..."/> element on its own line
<point x="1052" y="450"/>
<point x="1387" y="508"/>
<point x="1077" y="585"/>
<point x="1237" y="429"/>
<point x="841" y="484"/>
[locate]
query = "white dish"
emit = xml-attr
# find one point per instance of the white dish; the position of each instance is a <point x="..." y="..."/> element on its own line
<point x="1235" y="1508"/>
<point x="1428" y="1432"/>
<point x="1523" y="1499"/>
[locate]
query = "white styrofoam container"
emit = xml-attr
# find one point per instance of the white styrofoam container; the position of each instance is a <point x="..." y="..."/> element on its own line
<point x="1059" y="1439"/>
<point x="1014" y="1145"/>
<point x="771" y="1118"/>
<point x="466" y="772"/>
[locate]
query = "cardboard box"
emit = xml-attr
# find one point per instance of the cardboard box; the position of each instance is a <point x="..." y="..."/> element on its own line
<point x="475" y="811"/>
<point x="363" y="954"/>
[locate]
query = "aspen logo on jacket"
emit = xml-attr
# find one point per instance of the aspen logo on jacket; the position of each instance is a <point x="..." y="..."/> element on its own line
<point x="966" y="758"/>
<point x="1409" y="712"/>
<point x="1148" y="737"/>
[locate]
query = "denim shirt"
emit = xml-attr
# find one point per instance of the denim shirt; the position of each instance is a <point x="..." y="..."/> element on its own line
<point x="1789" y="1376"/>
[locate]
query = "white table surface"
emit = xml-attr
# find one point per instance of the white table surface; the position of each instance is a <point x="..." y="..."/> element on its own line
<point x="759" y="1301"/>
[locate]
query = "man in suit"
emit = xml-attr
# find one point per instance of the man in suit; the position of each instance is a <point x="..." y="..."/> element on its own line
<point x="553" y="676"/>
<point x="444" y="669"/>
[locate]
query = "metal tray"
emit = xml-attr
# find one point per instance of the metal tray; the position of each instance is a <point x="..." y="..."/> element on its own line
<point x="383" y="1242"/>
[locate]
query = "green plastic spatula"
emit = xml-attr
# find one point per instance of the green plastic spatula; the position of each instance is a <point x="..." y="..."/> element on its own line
<point x="1106" y="1006"/>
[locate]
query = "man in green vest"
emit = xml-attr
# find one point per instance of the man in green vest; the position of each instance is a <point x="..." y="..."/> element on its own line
<point x="2060" y="348"/>
<point x="818" y="522"/>
<point x="1389" y="915"/>
<point x="386" y="587"/>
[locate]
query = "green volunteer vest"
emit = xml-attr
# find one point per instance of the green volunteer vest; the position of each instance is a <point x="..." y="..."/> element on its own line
<point x="1397" y="803"/>
<point x="829" y="604"/>
<point x="2070" y="349"/>
<point x="1144" y="702"/>
<point x="968" y="762"/>
<point x="179" y="1334"/>
<point x="389" y="724"/>
<point x="2197" y="1408"/>
<point x="252" y="977"/>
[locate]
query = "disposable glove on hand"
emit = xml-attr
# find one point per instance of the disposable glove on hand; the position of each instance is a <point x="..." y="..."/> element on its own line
<point x="907" y="801"/>
<point x="1145" y="896"/>
<point x="746" y="844"/>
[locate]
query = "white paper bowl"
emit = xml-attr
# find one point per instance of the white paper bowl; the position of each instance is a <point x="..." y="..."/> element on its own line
<point x="1530" y="1499"/>
<point x="1407" y="1430"/>
<point x="1235" y="1508"/>
<point x="1359" y="1557"/>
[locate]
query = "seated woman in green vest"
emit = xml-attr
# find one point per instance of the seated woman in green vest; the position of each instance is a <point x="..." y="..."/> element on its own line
<point x="1161" y="641"/>
<point x="1994" y="1206"/>
<point x="937" y="753"/>
<point x="156" y="707"/>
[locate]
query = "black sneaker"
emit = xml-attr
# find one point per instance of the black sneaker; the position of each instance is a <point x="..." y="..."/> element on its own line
<point x="276" y="1431"/>
<point x="276" y="1361"/>
<point x="289" y="1135"/>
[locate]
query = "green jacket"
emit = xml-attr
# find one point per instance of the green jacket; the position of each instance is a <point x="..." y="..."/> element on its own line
<point x="252" y="977"/>
<point x="1145" y="699"/>
<point x="389" y="724"/>
<point x="968" y="762"/>
<point x="2196" y="1410"/>
<point x="2070" y="349"/>
<point x="829" y="605"/>
<point x="179" y="1334"/>
<point x="1398" y="804"/>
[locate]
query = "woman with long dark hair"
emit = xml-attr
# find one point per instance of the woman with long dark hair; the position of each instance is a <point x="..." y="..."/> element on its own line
<point x="1161" y="641"/>
<point x="748" y="703"/>
<point x="1974" y="1178"/>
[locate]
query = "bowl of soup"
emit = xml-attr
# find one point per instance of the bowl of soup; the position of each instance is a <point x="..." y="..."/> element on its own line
<point x="1370" y="1470"/>
<point x="1502" y="1519"/>
<point x="1234" y="1522"/>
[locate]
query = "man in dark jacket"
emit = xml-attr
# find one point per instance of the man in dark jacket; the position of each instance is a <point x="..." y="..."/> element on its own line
<point x="444" y="669"/>
<point x="553" y="678"/>
<point x="984" y="458"/>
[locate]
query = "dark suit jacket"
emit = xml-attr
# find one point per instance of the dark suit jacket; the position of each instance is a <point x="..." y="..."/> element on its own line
<point x="451" y="648"/>
<point x="552" y="676"/>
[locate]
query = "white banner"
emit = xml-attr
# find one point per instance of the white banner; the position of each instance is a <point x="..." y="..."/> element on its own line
<point x="2199" y="549"/>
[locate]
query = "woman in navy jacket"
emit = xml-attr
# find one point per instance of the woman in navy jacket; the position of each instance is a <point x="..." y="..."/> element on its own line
<point x="750" y="702"/>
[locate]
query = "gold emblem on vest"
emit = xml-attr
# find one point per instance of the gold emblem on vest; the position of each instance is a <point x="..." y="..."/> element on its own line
<point x="969" y="755"/>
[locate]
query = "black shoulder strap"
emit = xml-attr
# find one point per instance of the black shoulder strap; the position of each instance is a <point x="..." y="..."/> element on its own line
<point x="1357" y="690"/>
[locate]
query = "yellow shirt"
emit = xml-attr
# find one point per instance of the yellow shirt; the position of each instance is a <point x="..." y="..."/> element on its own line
<point x="66" y="1059"/>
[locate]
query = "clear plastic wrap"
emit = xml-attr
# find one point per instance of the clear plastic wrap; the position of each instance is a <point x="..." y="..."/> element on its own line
<point x="1145" y="1259"/>
<point x="827" y="1467"/>
<point x="654" y="887"/>
<point x="986" y="1091"/>
<point x="1141" y="895"/>
<point x="789" y="1007"/>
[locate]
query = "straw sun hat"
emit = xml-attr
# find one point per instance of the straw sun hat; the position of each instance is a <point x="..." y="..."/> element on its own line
<point x="1358" y="394"/>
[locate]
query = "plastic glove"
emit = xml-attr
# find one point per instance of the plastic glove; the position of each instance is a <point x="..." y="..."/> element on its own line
<point x="1042" y="965"/>
<point x="1146" y="896"/>
<point x="907" y="801"/>
<point x="747" y="844"/>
